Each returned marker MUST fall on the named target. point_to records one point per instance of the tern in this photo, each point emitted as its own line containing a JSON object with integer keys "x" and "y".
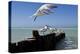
{"x": 45, "y": 9}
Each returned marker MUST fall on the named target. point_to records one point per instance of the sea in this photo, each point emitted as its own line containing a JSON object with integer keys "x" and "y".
{"x": 69, "y": 42}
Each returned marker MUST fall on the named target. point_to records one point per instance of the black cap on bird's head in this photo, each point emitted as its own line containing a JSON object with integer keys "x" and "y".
{"x": 53, "y": 6}
{"x": 48, "y": 25}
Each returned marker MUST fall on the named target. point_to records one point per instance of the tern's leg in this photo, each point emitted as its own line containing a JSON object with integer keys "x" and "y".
{"x": 35, "y": 18}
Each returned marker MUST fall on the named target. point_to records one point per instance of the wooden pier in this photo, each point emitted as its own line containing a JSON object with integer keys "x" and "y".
{"x": 36, "y": 43}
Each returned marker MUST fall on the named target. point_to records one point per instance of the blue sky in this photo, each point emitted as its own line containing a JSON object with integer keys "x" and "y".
{"x": 63, "y": 16}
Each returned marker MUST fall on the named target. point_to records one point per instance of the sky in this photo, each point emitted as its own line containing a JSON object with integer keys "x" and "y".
{"x": 63, "y": 16}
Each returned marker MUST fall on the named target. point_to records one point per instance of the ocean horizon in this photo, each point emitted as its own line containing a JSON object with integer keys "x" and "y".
{"x": 70, "y": 41}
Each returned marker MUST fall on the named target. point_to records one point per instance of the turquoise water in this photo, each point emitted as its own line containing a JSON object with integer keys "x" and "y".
{"x": 70, "y": 42}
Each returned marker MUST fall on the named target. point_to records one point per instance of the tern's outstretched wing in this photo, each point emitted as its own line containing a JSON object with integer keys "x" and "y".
{"x": 44, "y": 10}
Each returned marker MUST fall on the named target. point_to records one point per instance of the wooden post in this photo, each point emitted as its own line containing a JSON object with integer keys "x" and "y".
{"x": 35, "y": 34}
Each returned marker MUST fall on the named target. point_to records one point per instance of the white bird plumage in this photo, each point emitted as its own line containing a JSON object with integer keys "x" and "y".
{"x": 47, "y": 28}
{"x": 44, "y": 29}
{"x": 43, "y": 10}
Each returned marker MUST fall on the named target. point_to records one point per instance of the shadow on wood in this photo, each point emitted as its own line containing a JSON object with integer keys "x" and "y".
{"x": 36, "y": 43}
